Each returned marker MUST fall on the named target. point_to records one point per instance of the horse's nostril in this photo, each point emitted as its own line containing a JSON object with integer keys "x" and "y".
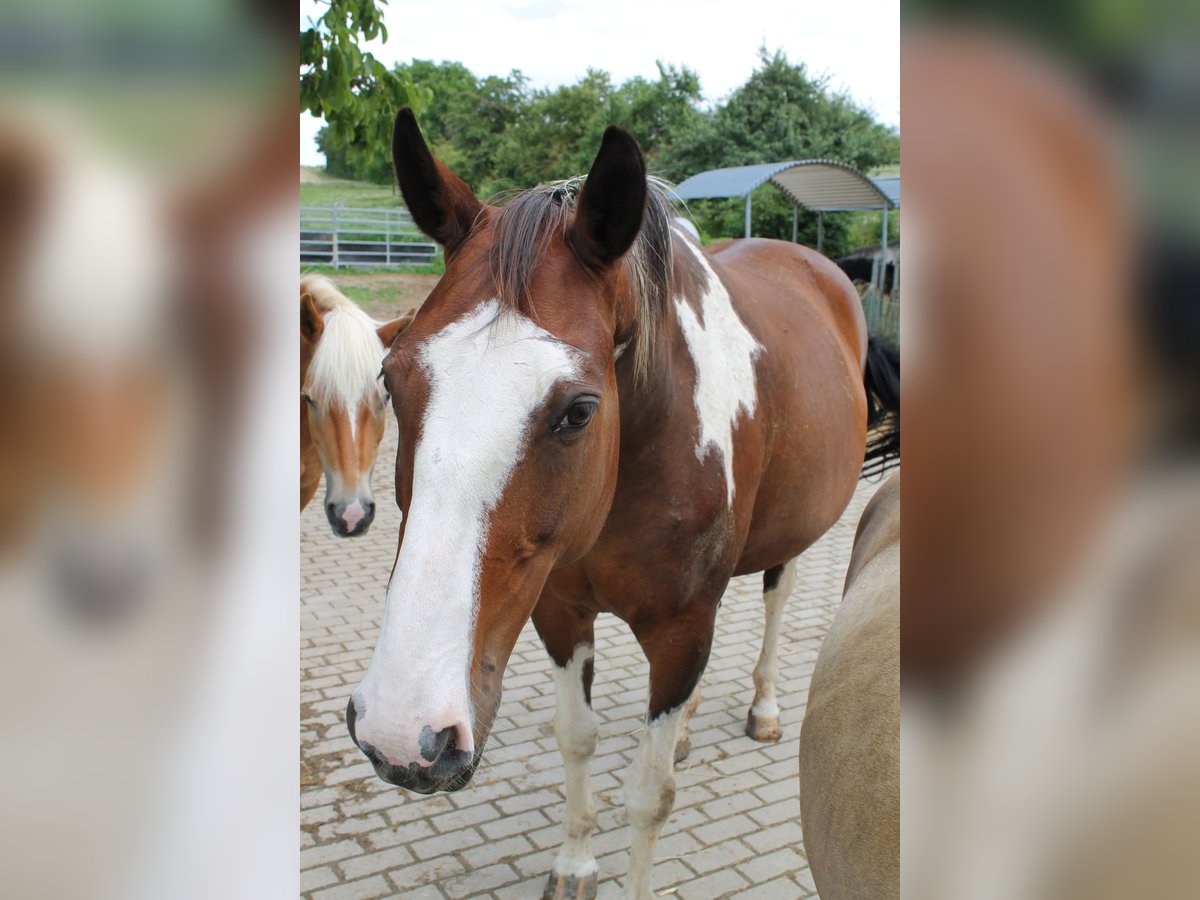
{"x": 101, "y": 587}
{"x": 369, "y": 506}
{"x": 436, "y": 746}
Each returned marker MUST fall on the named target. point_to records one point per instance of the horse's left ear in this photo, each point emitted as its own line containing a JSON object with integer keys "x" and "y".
{"x": 612, "y": 201}
{"x": 387, "y": 333}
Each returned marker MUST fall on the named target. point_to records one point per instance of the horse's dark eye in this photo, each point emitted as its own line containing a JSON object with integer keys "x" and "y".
{"x": 578, "y": 414}
{"x": 308, "y": 399}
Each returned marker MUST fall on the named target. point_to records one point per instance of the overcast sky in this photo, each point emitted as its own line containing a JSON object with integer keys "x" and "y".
{"x": 553, "y": 42}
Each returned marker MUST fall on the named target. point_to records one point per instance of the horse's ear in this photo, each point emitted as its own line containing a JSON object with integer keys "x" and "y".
{"x": 311, "y": 322}
{"x": 612, "y": 201}
{"x": 387, "y": 333}
{"x": 440, "y": 202}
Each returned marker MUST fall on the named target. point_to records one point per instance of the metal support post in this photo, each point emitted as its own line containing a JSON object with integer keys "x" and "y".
{"x": 883, "y": 252}
{"x": 334, "y": 223}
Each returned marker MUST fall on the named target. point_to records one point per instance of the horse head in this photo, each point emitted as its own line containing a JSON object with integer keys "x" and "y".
{"x": 344, "y": 408}
{"x": 506, "y": 394}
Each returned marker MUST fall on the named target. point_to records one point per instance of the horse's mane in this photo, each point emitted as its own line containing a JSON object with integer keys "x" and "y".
{"x": 345, "y": 365}
{"x": 527, "y": 221}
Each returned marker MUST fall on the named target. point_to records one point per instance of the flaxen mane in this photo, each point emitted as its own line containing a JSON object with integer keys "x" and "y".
{"x": 526, "y": 223}
{"x": 345, "y": 365}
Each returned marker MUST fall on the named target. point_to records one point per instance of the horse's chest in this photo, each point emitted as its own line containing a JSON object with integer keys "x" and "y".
{"x": 673, "y": 532}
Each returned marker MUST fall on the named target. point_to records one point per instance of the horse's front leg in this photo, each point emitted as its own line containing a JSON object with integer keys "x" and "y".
{"x": 576, "y": 727}
{"x": 678, "y": 651}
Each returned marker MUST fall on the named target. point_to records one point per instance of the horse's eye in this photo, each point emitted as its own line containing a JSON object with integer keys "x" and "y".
{"x": 578, "y": 414}
{"x": 308, "y": 399}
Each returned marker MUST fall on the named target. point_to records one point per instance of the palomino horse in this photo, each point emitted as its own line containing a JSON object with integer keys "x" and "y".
{"x": 343, "y": 407}
{"x": 850, "y": 741}
{"x": 597, "y": 415}
{"x": 131, "y": 351}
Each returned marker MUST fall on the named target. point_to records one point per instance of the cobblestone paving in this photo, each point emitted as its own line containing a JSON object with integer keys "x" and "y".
{"x": 735, "y": 830}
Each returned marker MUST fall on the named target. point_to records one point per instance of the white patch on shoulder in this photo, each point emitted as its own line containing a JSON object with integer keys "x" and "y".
{"x": 723, "y": 352}
{"x": 488, "y": 373}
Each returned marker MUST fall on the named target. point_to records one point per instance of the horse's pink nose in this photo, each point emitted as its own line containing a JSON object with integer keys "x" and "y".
{"x": 353, "y": 514}
{"x": 350, "y": 519}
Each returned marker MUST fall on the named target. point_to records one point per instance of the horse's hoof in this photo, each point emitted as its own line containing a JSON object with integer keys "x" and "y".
{"x": 762, "y": 729}
{"x": 682, "y": 749}
{"x": 570, "y": 887}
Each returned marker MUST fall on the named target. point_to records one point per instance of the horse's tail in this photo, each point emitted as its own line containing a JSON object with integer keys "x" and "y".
{"x": 882, "y": 381}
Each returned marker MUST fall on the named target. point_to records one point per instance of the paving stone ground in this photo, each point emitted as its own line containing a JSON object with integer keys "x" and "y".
{"x": 735, "y": 830}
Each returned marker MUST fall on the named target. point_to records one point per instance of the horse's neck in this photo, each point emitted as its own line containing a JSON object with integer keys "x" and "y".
{"x": 646, "y": 404}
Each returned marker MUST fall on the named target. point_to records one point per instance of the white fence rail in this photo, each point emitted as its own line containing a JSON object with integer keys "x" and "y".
{"x": 346, "y": 236}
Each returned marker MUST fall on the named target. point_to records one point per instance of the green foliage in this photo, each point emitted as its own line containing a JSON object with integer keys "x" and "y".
{"x": 560, "y": 130}
{"x": 499, "y": 134}
{"x": 771, "y": 216}
{"x": 350, "y": 88}
{"x": 866, "y": 226}
{"x": 780, "y": 113}
{"x": 466, "y": 117}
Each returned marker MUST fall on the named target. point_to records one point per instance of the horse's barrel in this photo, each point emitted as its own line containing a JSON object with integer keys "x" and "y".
{"x": 850, "y": 740}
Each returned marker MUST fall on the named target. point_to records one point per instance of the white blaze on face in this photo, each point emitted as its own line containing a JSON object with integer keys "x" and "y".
{"x": 489, "y": 373}
{"x": 723, "y": 353}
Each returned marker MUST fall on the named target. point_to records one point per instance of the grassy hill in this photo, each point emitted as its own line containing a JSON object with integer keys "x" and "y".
{"x": 318, "y": 189}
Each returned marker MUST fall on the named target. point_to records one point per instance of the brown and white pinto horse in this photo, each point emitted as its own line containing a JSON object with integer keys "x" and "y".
{"x": 596, "y": 415}
{"x": 343, "y": 406}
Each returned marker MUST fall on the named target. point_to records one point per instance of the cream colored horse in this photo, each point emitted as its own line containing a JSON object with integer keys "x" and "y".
{"x": 343, "y": 405}
{"x": 850, "y": 741}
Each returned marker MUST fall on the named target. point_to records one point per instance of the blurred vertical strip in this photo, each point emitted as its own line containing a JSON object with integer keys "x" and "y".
{"x": 148, "y": 539}
{"x": 1051, "y": 584}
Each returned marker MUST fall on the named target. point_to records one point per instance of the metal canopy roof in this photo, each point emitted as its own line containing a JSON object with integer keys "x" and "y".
{"x": 890, "y": 185}
{"x": 817, "y": 184}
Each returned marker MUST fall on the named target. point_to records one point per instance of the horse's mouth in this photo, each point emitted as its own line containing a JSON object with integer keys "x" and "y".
{"x": 445, "y": 776}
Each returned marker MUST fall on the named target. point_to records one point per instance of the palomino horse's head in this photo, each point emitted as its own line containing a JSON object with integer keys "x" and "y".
{"x": 343, "y": 403}
{"x": 93, "y": 379}
{"x": 506, "y": 394}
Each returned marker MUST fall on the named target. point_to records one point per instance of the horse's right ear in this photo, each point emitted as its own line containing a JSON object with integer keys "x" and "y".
{"x": 440, "y": 202}
{"x": 311, "y": 322}
{"x": 387, "y": 333}
{"x": 612, "y": 202}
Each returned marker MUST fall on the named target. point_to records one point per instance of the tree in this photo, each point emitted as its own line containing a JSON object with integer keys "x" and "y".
{"x": 348, "y": 87}
{"x": 498, "y": 134}
{"x": 655, "y": 111}
{"x": 558, "y": 131}
{"x": 780, "y": 113}
{"x": 466, "y": 116}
